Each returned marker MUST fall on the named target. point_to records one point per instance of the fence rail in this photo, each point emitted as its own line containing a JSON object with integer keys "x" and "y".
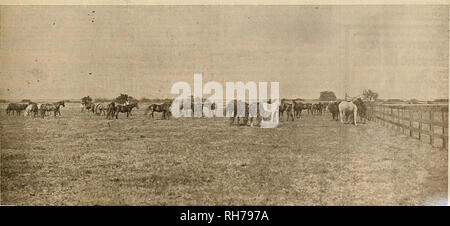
{"x": 419, "y": 121}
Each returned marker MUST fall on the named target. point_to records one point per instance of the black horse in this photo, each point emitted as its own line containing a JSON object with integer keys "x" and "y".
{"x": 164, "y": 108}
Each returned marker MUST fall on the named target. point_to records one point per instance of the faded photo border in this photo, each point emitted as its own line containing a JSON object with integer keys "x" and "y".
{"x": 230, "y": 2}
{"x": 224, "y": 2}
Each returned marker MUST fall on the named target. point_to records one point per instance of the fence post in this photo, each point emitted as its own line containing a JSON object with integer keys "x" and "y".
{"x": 403, "y": 116}
{"x": 420, "y": 124}
{"x": 444, "y": 139}
{"x": 431, "y": 128}
{"x": 390, "y": 118}
{"x": 410, "y": 122}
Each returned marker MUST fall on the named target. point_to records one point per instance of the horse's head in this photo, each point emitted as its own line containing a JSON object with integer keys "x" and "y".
{"x": 359, "y": 102}
{"x": 59, "y": 103}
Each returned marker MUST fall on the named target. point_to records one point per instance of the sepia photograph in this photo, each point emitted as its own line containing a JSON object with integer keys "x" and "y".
{"x": 224, "y": 105}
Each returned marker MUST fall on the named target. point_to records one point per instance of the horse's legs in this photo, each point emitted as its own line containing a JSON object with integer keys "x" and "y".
{"x": 355, "y": 113}
{"x": 341, "y": 114}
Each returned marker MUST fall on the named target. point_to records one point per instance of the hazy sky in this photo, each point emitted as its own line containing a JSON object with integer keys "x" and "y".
{"x": 66, "y": 52}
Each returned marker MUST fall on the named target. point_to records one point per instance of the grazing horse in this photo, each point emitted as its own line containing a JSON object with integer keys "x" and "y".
{"x": 90, "y": 107}
{"x": 164, "y": 108}
{"x": 15, "y": 108}
{"x": 32, "y": 109}
{"x": 255, "y": 111}
{"x": 100, "y": 109}
{"x": 210, "y": 107}
{"x": 192, "y": 108}
{"x": 309, "y": 108}
{"x": 237, "y": 110}
{"x": 317, "y": 108}
{"x": 125, "y": 109}
{"x": 51, "y": 107}
{"x": 346, "y": 109}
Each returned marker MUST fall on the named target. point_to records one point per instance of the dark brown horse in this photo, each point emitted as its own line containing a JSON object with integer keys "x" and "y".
{"x": 237, "y": 109}
{"x": 89, "y": 107}
{"x": 119, "y": 108}
{"x": 51, "y": 107}
{"x": 333, "y": 108}
{"x": 111, "y": 111}
{"x": 298, "y": 108}
{"x": 362, "y": 109}
{"x": 288, "y": 107}
{"x": 210, "y": 106}
{"x": 164, "y": 108}
{"x": 15, "y": 108}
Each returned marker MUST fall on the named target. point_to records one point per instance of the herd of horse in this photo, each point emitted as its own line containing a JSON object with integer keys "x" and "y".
{"x": 34, "y": 109}
{"x": 236, "y": 109}
{"x": 111, "y": 110}
{"x": 339, "y": 109}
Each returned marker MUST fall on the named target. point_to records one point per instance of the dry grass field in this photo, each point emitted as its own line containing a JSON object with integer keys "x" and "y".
{"x": 83, "y": 159}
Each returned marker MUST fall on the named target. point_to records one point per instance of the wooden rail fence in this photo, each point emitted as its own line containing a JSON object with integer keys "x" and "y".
{"x": 423, "y": 122}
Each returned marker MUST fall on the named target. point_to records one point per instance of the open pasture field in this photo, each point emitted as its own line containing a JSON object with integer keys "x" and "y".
{"x": 83, "y": 159}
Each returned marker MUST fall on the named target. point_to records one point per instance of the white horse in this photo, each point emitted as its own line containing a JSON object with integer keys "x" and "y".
{"x": 32, "y": 109}
{"x": 345, "y": 109}
{"x": 100, "y": 109}
{"x": 271, "y": 112}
